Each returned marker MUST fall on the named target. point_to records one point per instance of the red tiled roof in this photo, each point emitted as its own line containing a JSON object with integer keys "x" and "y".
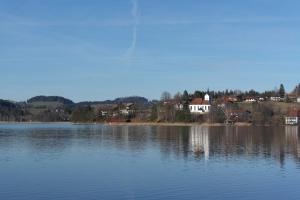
{"x": 199, "y": 101}
{"x": 249, "y": 97}
{"x": 227, "y": 99}
{"x": 294, "y": 113}
{"x": 172, "y": 102}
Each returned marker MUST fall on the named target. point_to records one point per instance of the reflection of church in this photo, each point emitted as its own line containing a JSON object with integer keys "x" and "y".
{"x": 291, "y": 136}
{"x": 199, "y": 140}
{"x": 291, "y": 133}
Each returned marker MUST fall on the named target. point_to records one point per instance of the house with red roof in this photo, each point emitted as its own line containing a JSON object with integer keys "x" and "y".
{"x": 293, "y": 117}
{"x": 200, "y": 106}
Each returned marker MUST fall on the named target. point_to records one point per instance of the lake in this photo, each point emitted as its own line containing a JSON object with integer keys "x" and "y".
{"x": 72, "y": 162}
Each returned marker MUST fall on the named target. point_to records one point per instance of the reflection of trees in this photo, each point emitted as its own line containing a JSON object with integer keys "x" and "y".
{"x": 292, "y": 141}
{"x": 53, "y": 140}
{"x": 267, "y": 142}
{"x": 231, "y": 142}
{"x": 126, "y": 137}
{"x": 183, "y": 142}
{"x": 172, "y": 140}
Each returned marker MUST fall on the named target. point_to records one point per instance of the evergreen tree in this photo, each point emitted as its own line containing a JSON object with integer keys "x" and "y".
{"x": 281, "y": 91}
{"x": 296, "y": 91}
{"x": 199, "y": 94}
{"x": 183, "y": 115}
{"x": 185, "y": 96}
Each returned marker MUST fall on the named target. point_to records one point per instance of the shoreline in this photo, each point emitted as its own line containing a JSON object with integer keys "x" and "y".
{"x": 173, "y": 124}
{"x": 139, "y": 124}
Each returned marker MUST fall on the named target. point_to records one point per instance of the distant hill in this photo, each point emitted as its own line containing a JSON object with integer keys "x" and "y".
{"x": 132, "y": 99}
{"x": 10, "y": 111}
{"x": 59, "y": 99}
{"x": 7, "y": 104}
{"x": 56, "y": 108}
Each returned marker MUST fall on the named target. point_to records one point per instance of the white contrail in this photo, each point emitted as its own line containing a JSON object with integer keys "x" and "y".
{"x": 134, "y": 13}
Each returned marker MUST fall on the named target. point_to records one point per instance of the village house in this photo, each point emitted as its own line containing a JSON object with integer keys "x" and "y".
{"x": 277, "y": 99}
{"x": 239, "y": 116}
{"x": 250, "y": 99}
{"x": 292, "y": 97}
{"x": 177, "y": 104}
{"x": 229, "y": 99}
{"x": 103, "y": 113}
{"x": 200, "y": 106}
{"x": 293, "y": 117}
{"x": 128, "y": 109}
{"x": 106, "y": 110}
{"x": 232, "y": 99}
{"x": 226, "y": 100}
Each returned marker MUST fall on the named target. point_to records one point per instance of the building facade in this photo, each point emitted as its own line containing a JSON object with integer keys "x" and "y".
{"x": 293, "y": 117}
{"x": 200, "y": 106}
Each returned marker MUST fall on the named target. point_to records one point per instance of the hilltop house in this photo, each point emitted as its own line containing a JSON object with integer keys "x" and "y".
{"x": 200, "y": 106}
{"x": 127, "y": 109}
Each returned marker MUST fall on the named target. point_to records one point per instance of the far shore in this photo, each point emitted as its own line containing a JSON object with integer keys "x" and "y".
{"x": 174, "y": 124}
{"x": 140, "y": 124}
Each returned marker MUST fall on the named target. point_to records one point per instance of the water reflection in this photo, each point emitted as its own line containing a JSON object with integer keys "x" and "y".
{"x": 196, "y": 142}
{"x": 199, "y": 141}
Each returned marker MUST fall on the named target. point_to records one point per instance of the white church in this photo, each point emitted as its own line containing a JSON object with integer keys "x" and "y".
{"x": 200, "y": 106}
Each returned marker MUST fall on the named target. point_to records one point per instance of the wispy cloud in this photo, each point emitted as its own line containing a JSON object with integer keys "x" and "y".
{"x": 127, "y": 57}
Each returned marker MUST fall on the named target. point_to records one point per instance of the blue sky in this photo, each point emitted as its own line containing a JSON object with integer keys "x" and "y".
{"x": 102, "y": 49}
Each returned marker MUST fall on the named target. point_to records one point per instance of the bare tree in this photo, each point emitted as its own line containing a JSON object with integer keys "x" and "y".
{"x": 166, "y": 96}
{"x": 178, "y": 96}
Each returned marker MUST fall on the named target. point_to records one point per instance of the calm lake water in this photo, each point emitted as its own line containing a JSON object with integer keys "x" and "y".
{"x": 61, "y": 161}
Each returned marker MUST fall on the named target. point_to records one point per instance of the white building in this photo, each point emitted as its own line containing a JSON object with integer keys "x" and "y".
{"x": 292, "y": 118}
{"x": 200, "y": 106}
{"x": 206, "y": 98}
{"x": 128, "y": 110}
{"x": 276, "y": 99}
{"x": 250, "y": 100}
{"x": 178, "y": 106}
